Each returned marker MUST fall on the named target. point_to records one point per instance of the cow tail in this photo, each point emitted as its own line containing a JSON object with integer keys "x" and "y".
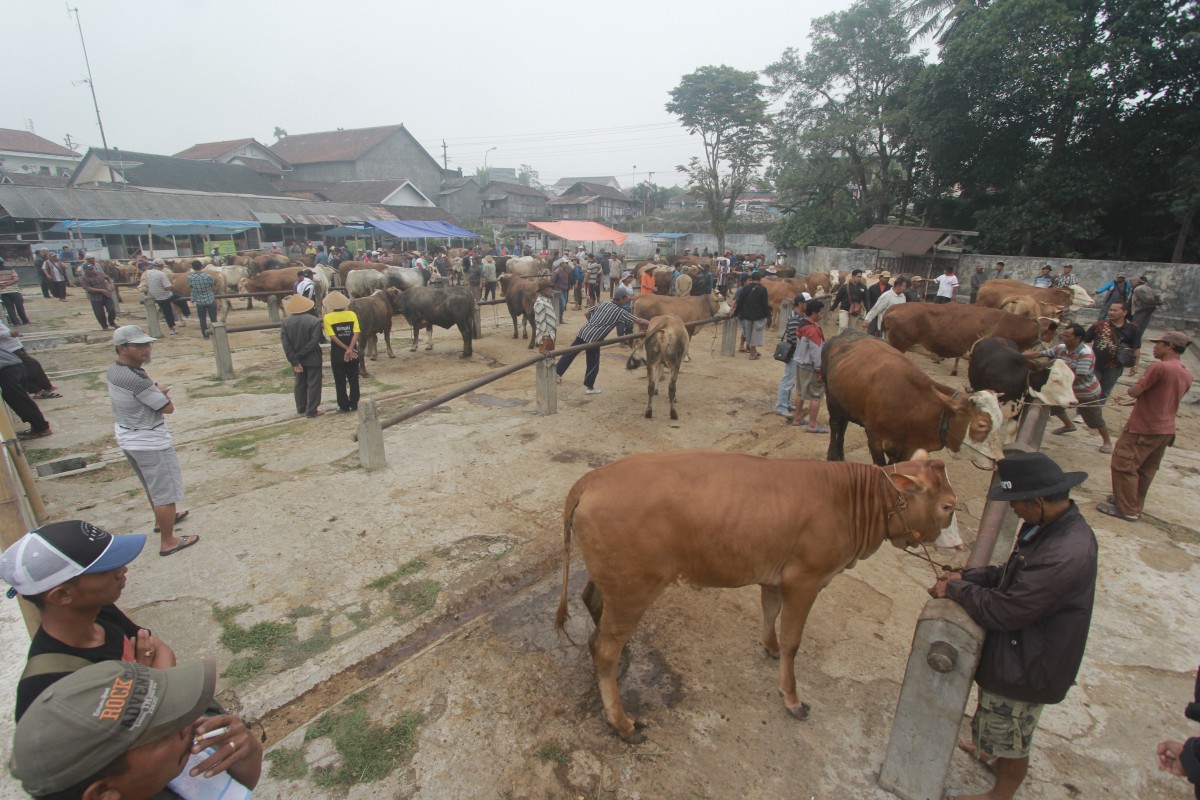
{"x": 634, "y": 362}
{"x": 560, "y": 618}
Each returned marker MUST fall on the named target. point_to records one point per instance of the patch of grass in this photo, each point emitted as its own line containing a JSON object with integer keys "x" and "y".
{"x": 132, "y": 492}
{"x": 226, "y": 613}
{"x": 262, "y": 638}
{"x": 368, "y": 751}
{"x": 359, "y": 617}
{"x": 414, "y": 599}
{"x": 276, "y": 382}
{"x": 245, "y": 445}
{"x": 43, "y": 454}
{"x": 287, "y": 763}
{"x": 94, "y": 382}
{"x": 302, "y": 611}
{"x": 552, "y": 752}
{"x": 243, "y": 669}
{"x": 408, "y": 568}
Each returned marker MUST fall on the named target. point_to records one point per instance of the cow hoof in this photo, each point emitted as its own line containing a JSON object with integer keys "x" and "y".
{"x": 649, "y": 415}
{"x": 430, "y": 347}
{"x": 634, "y": 736}
{"x": 771, "y": 653}
{"x": 674, "y": 415}
{"x": 412, "y": 349}
{"x": 800, "y": 711}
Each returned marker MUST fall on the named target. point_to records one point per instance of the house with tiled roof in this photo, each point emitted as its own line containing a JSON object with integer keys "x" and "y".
{"x": 247, "y": 152}
{"x": 461, "y": 197}
{"x": 512, "y": 203}
{"x": 362, "y": 154}
{"x": 563, "y": 184}
{"x": 396, "y": 192}
{"x": 105, "y": 168}
{"x": 26, "y": 153}
{"x": 594, "y": 201}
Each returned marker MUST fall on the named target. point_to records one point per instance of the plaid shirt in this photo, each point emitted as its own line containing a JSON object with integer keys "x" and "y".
{"x": 202, "y": 289}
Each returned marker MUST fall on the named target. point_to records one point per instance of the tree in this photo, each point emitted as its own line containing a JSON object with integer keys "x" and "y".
{"x": 528, "y": 176}
{"x": 279, "y": 132}
{"x": 726, "y": 109}
{"x": 483, "y": 176}
{"x": 843, "y": 134}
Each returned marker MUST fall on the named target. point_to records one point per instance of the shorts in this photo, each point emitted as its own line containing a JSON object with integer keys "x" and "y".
{"x": 1092, "y": 414}
{"x": 754, "y": 330}
{"x": 160, "y": 474}
{"x": 809, "y": 385}
{"x": 1003, "y": 728}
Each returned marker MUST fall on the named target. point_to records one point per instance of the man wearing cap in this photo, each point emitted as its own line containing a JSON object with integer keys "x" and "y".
{"x": 874, "y": 318}
{"x": 1066, "y": 279}
{"x": 201, "y": 284}
{"x": 877, "y": 290}
{"x": 123, "y": 730}
{"x": 752, "y": 308}
{"x": 1036, "y": 610}
{"x": 1044, "y": 279}
{"x": 138, "y": 405}
{"x": 100, "y": 291}
{"x": 342, "y": 329}
{"x": 1144, "y": 300}
{"x": 159, "y": 287}
{"x": 301, "y": 336}
{"x": 1150, "y": 428}
{"x": 10, "y": 295}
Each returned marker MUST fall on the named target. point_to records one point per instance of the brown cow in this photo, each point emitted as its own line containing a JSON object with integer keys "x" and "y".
{"x": 636, "y": 543}
{"x": 519, "y": 294}
{"x": 1025, "y": 306}
{"x": 375, "y": 317}
{"x": 272, "y": 280}
{"x": 689, "y": 309}
{"x": 780, "y": 290}
{"x": 346, "y": 267}
{"x": 180, "y": 286}
{"x": 995, "y": 292}
{"x": 870, "y": 383}
{"x": 666, "y": 346}
{"x": 950, "y": 330}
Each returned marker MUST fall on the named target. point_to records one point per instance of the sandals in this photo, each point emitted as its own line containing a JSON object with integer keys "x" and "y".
{"x": 184, "y": 543}
{"x": 47, "y": 395}
{"x": 818, "y": 429}
{"x": 1113, "y": 511}
{"x": 1064, "y": 429}
{"x": 756, "y": 357}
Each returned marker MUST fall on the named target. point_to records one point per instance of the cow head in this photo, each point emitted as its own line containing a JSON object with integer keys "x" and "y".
{"x": 1080, "y": 298}
{"x": 1047, "y": 329}
{"x": 717, "y": 301}
{"x": 1052, "y": 385}
{"x": 929, "y": 500}
{"x": 393, "y": 297}
{"x": 974, "y": 425}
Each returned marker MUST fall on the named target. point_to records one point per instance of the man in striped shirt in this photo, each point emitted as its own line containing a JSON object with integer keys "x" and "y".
{"x": 1082, "y": 361}
{"x": 602, "y": 319}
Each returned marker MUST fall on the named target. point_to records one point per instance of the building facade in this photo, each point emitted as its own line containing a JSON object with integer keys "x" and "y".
{"x": 25, "y": 153}
{"x": 512, "y": 203}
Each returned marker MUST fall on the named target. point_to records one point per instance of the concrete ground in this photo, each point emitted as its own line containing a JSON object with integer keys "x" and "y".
{"x": 393, "y": 631}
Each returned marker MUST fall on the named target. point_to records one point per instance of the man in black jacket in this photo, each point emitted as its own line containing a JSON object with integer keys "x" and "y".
{"x": 1036, "y": 610}
{"x": 301, "y": 337}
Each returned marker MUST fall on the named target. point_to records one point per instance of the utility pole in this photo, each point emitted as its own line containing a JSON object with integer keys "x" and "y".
{"x": 67, "y": 141}
{"x": 91, "y": 83}
{"x": 444, "y": 167}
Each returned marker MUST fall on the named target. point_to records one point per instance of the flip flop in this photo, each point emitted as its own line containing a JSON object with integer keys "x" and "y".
{"x": 47, "y": 395}
{"x": 756, "y": 357}
{"x": 1062, "y": 430}
{"x": 818, "y": 429}
{"x": 187, "y": 542}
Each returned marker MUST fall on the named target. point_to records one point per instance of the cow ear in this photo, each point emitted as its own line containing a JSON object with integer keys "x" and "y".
{"x": 948, "y": 402}
{"x": 905, "y": 483}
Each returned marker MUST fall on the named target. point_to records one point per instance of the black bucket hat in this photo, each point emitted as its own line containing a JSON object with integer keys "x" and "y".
{"x": 1026, "y": 476}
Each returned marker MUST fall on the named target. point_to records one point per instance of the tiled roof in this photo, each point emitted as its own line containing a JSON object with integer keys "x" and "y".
{"x": 313, "y": 148}
{"x": 165, "y": 172}
{"x": 210, "y": 151}
{"x": 583, "y": 192}
{"x": 567, "y": 183}
{"x": 33, "y": 179}
{"x": 497, "y": 189}
{"x": 26, "y": 142}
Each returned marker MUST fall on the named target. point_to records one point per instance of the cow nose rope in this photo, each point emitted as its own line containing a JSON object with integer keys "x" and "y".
{"x": 901, "y": 507}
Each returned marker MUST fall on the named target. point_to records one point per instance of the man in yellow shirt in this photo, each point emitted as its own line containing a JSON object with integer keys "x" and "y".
{"x": 342, "y": 330}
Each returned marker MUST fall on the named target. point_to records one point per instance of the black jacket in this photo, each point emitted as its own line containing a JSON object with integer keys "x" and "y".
{"x": 1036, "y": 608}
{"x": 847, "y": 294}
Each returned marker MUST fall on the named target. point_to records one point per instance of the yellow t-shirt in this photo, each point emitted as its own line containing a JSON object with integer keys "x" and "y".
{"x": 341, "y": 325}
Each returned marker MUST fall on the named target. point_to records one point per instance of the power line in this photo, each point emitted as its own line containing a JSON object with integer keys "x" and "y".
{"x": 549, "y": 135}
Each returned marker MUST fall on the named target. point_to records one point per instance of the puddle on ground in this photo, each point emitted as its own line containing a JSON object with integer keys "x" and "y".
{"x": 495, "y": 402}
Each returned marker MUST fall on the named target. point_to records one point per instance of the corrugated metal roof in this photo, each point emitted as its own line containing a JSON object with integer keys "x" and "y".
{"x": 35, "y": 202}
{"x": 901, "y": 239}
{"x": 166, "y": 172}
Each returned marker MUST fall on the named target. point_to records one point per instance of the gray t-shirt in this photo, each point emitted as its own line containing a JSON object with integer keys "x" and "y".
{"x": 137, "y": 406}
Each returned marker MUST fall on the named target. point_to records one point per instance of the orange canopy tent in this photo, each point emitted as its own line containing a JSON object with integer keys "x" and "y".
{"x": 580, "y": 231}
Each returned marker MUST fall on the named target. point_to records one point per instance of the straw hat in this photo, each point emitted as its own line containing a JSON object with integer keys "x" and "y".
{"x": 336, "y": 301}
{"x": 297, "y": 304}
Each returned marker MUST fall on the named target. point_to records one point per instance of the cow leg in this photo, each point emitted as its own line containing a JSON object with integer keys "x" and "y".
{"x": 798, "y": 598}
{"x": 878, "y": 454}
{"x": 429, "y": 336}
{"x": 671, "y": 391}
{"x": 387, "y": 340}
{"x": 373, "y": 346}
{"x": 594, "y": 601}
{"x": 416, "y": 339}
{"x": 227, "y": 306}
{"x": 467, "y": 329}
{"x": 650, "y": 389}
{"x": 616, "y": 626}
{"x": 837, "y": 434}
{"x": 954, "y": 369}
{"x": 514, "y": 319}
{"x": 772, "y": 600}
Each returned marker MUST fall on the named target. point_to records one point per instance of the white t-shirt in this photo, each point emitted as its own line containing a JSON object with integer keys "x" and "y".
{"x": 947, "y": 285}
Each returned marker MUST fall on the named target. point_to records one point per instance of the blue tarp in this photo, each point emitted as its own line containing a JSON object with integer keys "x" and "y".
{"x": 347, "y": 232}
{"x": 421, "y": 229}
{"x": 668, "y": 235}
{"x": 162, "y": 227}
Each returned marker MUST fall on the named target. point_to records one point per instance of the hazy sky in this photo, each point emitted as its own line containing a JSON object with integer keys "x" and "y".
{"x": 571, "y": 88}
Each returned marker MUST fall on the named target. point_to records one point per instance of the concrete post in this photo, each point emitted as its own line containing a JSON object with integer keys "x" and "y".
{"x": 785, "y": 311}
{"x": 547, "y": 387}
{"x": 729, "y": 337}
{"x": 222, "y": 352}
{"x": 273, "y": 309}
{"x": 478, "y": 324}
{"x": 370, "y": 437}
{"x": 152, "y": 326}
{"x": 937, "y": 684}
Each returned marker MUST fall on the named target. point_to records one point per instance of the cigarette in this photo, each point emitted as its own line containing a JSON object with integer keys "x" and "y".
{"x": 212, "y": 734}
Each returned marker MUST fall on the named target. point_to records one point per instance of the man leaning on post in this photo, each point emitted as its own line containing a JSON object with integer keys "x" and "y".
{"x": 1036, "y": 609}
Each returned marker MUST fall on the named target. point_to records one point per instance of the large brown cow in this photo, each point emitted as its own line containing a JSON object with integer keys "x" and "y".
{"x": 997, "y": 291}
{"x": 666, "y": 346}
{"x": 870, "y": 383}
{"x": 689, "y": 309}
{"x": 519, "y": 295}
{"x": 375, "y": 317}
{"x": 272, "y": 280}
{"x": 636, "y": 543}
{"x": 180, "y": 286}
{"x": 950, "y": 330}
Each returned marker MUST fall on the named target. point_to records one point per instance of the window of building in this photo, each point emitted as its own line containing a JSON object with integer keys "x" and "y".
{"x": 43, "y": 170}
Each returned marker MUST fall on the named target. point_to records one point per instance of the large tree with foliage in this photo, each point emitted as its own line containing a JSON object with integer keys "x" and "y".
{"x": 725, "y": 108}
{"x": 843, "y": 146}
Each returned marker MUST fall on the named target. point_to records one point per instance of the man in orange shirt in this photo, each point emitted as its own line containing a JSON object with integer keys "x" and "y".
{"x": 648, "y": 280}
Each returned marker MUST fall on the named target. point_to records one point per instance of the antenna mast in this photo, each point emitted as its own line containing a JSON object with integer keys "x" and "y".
{"x": 91, "y": 83}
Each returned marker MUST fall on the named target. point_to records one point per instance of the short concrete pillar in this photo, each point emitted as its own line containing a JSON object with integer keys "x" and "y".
{"x": 370, "y": 437}
{"x": 478, "y": 324}
{"x": 729, "y": 337}
{"x": 785, "y": 311}
{"x": 937, "y": 684}
{"x": 273, "y": 313}
{"x": 152, "y": 326}
{"x": 547, "y": 387}
{"x": 222, "y": 352}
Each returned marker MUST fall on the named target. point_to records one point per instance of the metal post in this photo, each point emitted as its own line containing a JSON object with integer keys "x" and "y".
{"x": 221, "y": 351}
{"x": 729, "y": 337}
{"x": 785, "y": 311}
{"x": 370, "y": 437}
{"x": 273, "y": 309}
{"x": 547, "y": 387}
{"x": 152, "y": 326}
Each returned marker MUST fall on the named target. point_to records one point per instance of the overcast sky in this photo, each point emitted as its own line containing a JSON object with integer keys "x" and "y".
{"x": 571, "y": 89}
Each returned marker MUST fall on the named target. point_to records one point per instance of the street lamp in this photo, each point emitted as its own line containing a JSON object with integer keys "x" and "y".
{"x": 485, "y": 155}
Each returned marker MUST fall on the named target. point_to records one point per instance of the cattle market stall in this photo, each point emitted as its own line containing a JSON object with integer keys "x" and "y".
{"x": 914, "y": 251}
{"x": 673, "y": 240}
{"x": 163, "y": 228}
{"x": 422, "y": 230}
{"x": 589, "y": 232}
